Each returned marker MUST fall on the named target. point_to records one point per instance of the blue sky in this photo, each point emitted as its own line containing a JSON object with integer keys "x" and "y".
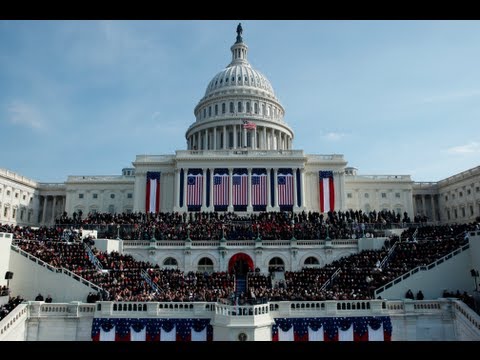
{"x": 85, "y": 97}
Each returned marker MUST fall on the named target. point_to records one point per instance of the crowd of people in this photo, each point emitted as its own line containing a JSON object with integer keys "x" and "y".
{"x": 232, "y": 226}
{"x": 356, "y": 276}
{"x": 8, "y": 307}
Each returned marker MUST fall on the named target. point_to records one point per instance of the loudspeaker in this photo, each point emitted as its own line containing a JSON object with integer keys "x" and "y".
{"x": 8, "y": 275}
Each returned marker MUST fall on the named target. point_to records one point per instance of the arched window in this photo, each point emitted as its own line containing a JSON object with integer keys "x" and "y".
{"x": 223, "y": 108}
{"x": 239, "y": 107}
{"x": 248, "y": 107}
{"x": 204, "y": 113}
{"x": 205, "y": 265}
{"x": 170, "y": 263}
{"x": 216, "y": 109}
{"x": 255, "y": 108}
{"x": 232, "y": 110}
{"x": 276, "y": 264}
{"x": 209, "y": 111}
{"x": 263, "y": 109}
{"x": 311, "y": 262}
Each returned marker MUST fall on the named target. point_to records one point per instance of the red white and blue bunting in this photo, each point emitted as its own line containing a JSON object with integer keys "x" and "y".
{"x": 368, "y": 328}
{"x": 128, "y": 329}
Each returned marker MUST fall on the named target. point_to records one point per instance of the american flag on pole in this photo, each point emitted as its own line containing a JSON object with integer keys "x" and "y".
{"x": 326, "y": 191}
{"x": 220, "y": 189}
{"x": 249, "y": 125}
{"x": 259, "y": 189}
{"x": 285, "y": 189}
{"x": 239, "y": 189}
{"x": 152, "y": 201}
{"x": 194, "y": 189}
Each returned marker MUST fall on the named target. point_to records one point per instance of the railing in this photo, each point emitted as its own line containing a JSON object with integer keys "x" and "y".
{"x": 421, "y": 268}
{"x": 19, "y": 313}
{"x": 150, "y": 282}
{"x": 467, "y": 313}
{"x": 241, "y": 152}
{"x": 329, "y": 281}
{"x": 387, "y": 257}
{"x": 92, "y": 257}
{"x": 242, "y": 310}
{"x": 58, "y": 270}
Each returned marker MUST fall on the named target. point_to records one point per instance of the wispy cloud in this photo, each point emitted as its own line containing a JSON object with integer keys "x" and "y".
{"x": 334, "y": 136}
{"x": 452, "y": 96}
{"x": 23, "y": 114}
{"x": 472, "y": 147}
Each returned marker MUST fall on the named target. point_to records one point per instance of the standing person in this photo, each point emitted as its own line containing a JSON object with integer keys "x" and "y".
{"x": 48, "y": 299}
{"x": 420, "y": 295}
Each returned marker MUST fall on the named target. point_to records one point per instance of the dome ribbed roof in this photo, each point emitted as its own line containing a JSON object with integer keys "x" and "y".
{"x": 241, "y": 75}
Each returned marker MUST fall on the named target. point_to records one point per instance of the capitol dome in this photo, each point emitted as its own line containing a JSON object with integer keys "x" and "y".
{"x": 239, "y": 109}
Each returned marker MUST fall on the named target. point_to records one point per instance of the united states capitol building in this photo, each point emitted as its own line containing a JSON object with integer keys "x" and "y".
{"x": 218, "y": 142}
{"x": 240, "y": 158}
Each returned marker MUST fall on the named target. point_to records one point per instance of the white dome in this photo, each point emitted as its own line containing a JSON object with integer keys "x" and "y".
{"x": 239, "y": 75}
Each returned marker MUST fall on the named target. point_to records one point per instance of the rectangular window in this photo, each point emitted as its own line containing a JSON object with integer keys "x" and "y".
{"x": 95, "y": 196}
{"x": 24, "y": 197}
{"x": 455, "y": 213}
{"x": 471, "y": 210}
{"x": 469, "y": 191}
{"x": 453, "y": 196}
{"x": 461, "y": 194}
{"x": 5, "y": 212}
{"x": 463, "y": 212}
{"x": 349, "y": 195}
{"x": 14, "y": 213}
{"x": 16, "y": 195}
{"x": 446, "y": 197}
{"x": 384, "y": 195}
{"x": 29, "y": 216}
{"x": 80, "y": 196}
{"x": 129, "y": 195}
{"x": 8, "y": 192}
{"x": 477, "y": 189}
{"x": 21, "y": 214}
{"x": 397, "y": 195}
{"x": 448, "y": 214}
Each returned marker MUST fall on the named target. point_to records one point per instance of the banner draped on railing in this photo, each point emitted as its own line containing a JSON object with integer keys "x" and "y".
{"x": 361, "y": 328}
{"x": 145, "y": 329}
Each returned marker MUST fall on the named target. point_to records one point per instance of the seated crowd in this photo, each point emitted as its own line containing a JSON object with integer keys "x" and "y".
{"x": 355, "y": 276}
{"x": 8, "y": 307}
{"x": 231, "y": 226}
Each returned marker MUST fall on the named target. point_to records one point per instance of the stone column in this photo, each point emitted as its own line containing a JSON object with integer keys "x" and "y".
{"x": 199, "y": 144}
{"x": 432, "y": 201}
{"x": 269, "y": 199}
{"x": 422, "y": 197}
{"x": 275, "y": 198}
{"x": 230, "y": 190}
{"x": 264, "y": 145}
{"x": 53, "y": 209}
{"x": 215, "y": 138}
{"x": 234, "y": 136}
{"x": 244, "y": 138}
{"x": 211, "y": 190}
{"x": 249, "y": 191}
{"x": 302, "y": 187}
{"x": 204, "y": 191}
{"x": 44, "y": 218}
{"x": 185, "y": 174}
{"x": 176, "y": 190}
{"x": 224, "y": 137}
{"x": 295, "y": 200}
